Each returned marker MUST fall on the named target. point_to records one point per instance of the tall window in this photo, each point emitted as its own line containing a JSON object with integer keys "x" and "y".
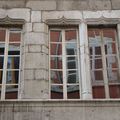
{"x": 104, "y": 60}
{"x": 10, "y": 40}
{"x": 64, "y": 76}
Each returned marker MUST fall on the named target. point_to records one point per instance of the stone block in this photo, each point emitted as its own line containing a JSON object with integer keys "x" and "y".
{"x": 12, "y": 4}
{"x": 3, "y": 13}
{"x": 36, "y": 16}
{"x": 27, "y": 27}
{"x": 40, "y": 27}
{"x": 59, "y": 14}
{"x": 45, "y": 49}
{"x": 34, "y": 48}
{"x": 100, "y": 4}
{"x": 42, "y": 5}
{"x": 36, "y": 60}
{"x": 36, "y": 89}
{"x": 29, "y": 74}
{"x": 19, "y": 13}
{"x": 115, "y": 4}
{"x": 41, "y": 74}
{"x": 73, "y": 5}
{"x": 35, "y": 38}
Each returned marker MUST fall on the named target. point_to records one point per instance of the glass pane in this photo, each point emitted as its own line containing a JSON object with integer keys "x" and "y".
{"x": 97, "y": 75}
{"x": 0, "y": 91}
{"x": 11, "y": 92}
{"x": 109, "y": 34}
{"x": 113, "y": 75}
{"x": 70, "y": 35}
{"x": 110, "y": 48}
{"x": 56, "y": 63}
{"x": 13, "y": 63}
{"x": 1, "y": 62}
{"x": 98, "y": 50}
{"x": 57, "y": 77}
{"x": 71, "y": 62}
{"x": 112, "y": 62}
{"x": 71, "y": 48}
{"x": 72, "y": 77}
{"x": 14, "y": 49}
{"x": 12, "y": 77}
{"x": 73, "y": 92}
{"x": 1, "y": 75}
{"x": 2, "y": 48}
{"x": 56, "y": 92}
{"x": 55, "y": 36}
{"x": 98, "y": 63}
{"x": 2, "y": 35}
{"x": 15, "y": 37}
{"x": 98, "y": 91}
{"x": 56, "y": 49}
{"x": 114, "y": 91}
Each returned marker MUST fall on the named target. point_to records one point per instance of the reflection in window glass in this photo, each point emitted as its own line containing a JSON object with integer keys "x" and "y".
{"x": 2, "y": 35}
{"x": 57, "y": 77}
{"x": 13, "y": 63}
{"x": 12, "y": 77}
{"x": 11, "y": 92}
{"x": 73, "y": 92}
{"x": 57, "y": 92}
{"x": 1, "y": 74}
{"x": 15, "y": 37}
{"x": 70, "y": 35}
{"x": 56, "y": 49}
{"x": 55, "y": 36}
{"x": 72, "y": 76}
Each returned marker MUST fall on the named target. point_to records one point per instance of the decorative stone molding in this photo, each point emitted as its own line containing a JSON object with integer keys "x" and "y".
{"x": 103, "y": 20}
{"x": 63, "y": 21}
{"x": 9, "y": 21}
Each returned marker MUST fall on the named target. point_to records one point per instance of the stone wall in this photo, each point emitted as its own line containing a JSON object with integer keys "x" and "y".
{"x": 60, "y": 110}
{"x": 62, "y": 4}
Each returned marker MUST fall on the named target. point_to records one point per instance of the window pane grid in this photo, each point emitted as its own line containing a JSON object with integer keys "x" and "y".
{"x": 10, "y": 74}
{"x": 67, "y": 46}
{"x": 106, "y": 39}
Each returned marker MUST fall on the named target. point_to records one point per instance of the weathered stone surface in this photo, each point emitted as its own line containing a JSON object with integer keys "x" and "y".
{"x": 34, "y": 48}
{"x": 37, "y": 89}
{"x": 36, "y": 16}
{"x": 40, "y": 27}
{"x": 115, "y": 4}
{"x": 12, "y": 4}
{"x": 99, "y": 5}
{"x": 35, "y": 38}
{"x": 29, "y": 74}
{"x": 27, "y": 27}
{"x": 36, "y": 60}
{"x": 42, "y": 5}
{"x": 41, "y": 74}
{"x": 16, "y": 13}
{"x": 19, "y": 13}
{"x": 59, "y": 14}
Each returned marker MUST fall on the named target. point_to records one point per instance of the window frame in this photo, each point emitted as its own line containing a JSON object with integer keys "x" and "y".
{"x": 105, "y": 83}
{"x": 5, "y": 69}
{"x": 77, "y": 55}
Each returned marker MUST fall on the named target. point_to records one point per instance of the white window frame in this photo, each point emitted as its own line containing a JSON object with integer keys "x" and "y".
{"x": 4, "y": 76}
{"x": 64, "y": 62}
{"x": 105, "y": 81}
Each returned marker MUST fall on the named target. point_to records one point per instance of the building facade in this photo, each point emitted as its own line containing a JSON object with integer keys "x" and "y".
{"x": 59, "y": 59}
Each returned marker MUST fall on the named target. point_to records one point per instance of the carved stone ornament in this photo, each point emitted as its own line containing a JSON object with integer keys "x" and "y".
{"x": 9, "y": 21}
{"x": 103, "y": 20}
{"x": 63, "y": 21}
